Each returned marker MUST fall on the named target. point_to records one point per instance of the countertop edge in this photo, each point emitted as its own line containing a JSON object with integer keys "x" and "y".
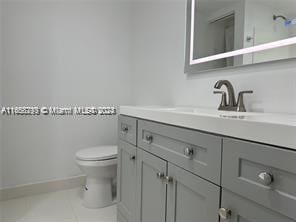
{"x": 262, "y": 132}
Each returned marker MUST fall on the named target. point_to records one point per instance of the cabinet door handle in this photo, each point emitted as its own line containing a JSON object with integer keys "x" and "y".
{"x": 160, "y": 175}
{"x": 132, "y": 157}
{"x": 169, "y": 179}
{"x": 266, "y": 178}
{"x": 149, "y": 139}
{"x": 189, "y": 151}
{"x": 224, "y": 213}
{"x": 124, "y": 129}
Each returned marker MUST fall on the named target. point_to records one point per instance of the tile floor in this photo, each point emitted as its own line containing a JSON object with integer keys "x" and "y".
{"x": 61, "y": 206}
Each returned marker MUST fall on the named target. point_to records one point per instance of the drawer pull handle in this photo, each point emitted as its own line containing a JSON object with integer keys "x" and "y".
{"x": 189, "y": 152}
{"x": 133, "y": 157}
{"x": 169, "y": 179}
{"x": 149, "y": 139}
{"x": 224, "y": 213}
{"x": 125, "y": 129}
{"x": 160, "y": 175}
{"x": 266, "y": 178}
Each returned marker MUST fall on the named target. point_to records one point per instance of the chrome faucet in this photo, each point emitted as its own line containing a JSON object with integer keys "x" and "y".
{"x": 230, "y": 104}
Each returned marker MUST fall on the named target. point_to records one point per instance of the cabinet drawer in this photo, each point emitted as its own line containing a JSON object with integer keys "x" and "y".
{"x": 127, "y": 129}
{"x": 264, "y": 174}
{"x": 244, "y": 210}
{"x": 194, "y": 151}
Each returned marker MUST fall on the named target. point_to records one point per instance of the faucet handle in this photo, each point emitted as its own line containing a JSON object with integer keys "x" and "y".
{"x": 245, "y": 92}
{"x": 240, "y": 101}
{"x": 223, "y": 99}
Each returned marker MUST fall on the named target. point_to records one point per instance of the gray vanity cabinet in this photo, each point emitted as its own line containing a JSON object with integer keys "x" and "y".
{"x": 190, "y": 198}
{"x": 171, "y": 174}
{"x": 264, "y": 174}
{"x": 240, "y": 209}
{"x": 126, "y": 179}
{"x": 151, "y": 205}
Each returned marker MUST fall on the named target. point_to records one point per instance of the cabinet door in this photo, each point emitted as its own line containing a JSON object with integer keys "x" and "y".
{"x": 151, "y": 205}
{"x": 191, "y": 198}
{"x": 126, "y": 190}
{"x": 241, "y": 209}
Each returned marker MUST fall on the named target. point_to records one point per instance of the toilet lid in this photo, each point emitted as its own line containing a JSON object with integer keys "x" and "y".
{"x": 97, "y": 153}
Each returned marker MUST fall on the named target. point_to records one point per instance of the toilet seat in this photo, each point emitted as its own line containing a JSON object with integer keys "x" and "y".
{"x": 99, "y": 153}
{"x": 97, "y": 163}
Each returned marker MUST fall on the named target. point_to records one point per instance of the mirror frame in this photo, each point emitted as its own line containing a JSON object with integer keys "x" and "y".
{"x": 190, "y": 62}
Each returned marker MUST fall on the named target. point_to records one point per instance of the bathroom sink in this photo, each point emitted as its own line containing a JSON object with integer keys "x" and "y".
{"x": 231, "y": 115}
{"x": 211, "y": 112}
{"x": 207, "y": 112}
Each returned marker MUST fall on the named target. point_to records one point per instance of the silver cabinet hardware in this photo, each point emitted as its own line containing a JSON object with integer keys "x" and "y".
{"x": 266, "y": 178}
{"x": 189, "y": 151}
{"x": 149, "y": 139}
{"x": 124, "y": 129}
{"x": 133, "y": 157}
{"x": 160, "y": 175}
{"x": 224, "y": 213}
{"x": 169, "y": 179}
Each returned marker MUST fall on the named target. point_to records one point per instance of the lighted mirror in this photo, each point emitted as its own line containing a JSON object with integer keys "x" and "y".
{"x": 228, "y": 33}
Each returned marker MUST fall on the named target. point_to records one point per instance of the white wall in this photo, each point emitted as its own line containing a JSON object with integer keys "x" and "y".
{"x": 75, "y": 53}
{"x": 158, "y": 60}
{"x": 84, "y": 54}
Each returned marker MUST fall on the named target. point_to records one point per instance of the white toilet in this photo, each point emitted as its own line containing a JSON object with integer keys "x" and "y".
{"x": 99, "y": 165}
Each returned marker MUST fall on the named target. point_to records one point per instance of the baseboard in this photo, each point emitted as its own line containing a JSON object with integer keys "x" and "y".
{"x": 41, "y": 187}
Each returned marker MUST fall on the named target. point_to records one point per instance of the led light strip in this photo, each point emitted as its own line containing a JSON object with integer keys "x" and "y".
{"x": 258, "y": 48}
{"x": 192, "y": 31}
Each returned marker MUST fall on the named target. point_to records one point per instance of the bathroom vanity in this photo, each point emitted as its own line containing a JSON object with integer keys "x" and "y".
{"x": 189, "y": 164}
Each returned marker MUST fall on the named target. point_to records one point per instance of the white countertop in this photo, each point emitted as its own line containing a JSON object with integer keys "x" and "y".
{"x": 269, "y": 128}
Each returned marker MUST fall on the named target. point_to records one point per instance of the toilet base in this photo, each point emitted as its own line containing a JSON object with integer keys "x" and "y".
{"x": 98, "y": 193}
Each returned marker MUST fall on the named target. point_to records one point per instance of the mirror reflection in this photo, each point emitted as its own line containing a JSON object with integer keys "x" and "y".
{"x": 225, "y": 25}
